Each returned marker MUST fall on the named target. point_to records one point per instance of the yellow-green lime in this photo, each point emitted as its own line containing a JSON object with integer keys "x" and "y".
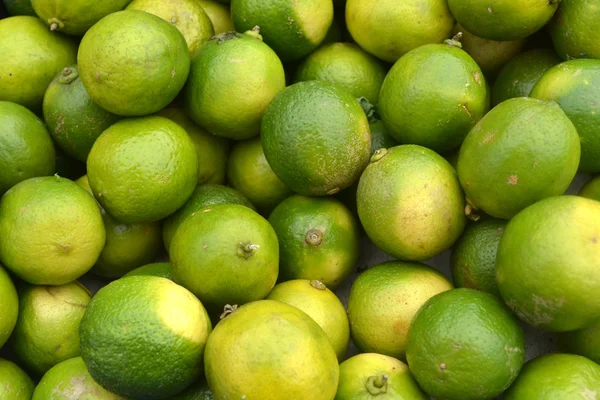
{"x": 143, "y": 337}
{"x": 70, "y": 380}
{"x": 383, "y": 301}
{"x": 233, "y": 79}
{"x": 316, "y": 138}
{"x": 213, "y": 151}
{"x": 160, "y": 269}
{"x": 573, "y": 30}
{"x": 249, "y": 173}
{"x": 198, "y": 391}
{"x": 548, "y": 263}
{"x": 270, "y": 350}
{"x": 19, "y": 7}
{"x": 556, "y": 377}
{"x": 575, "y": 86}
{"x": 27, "y": 41}
{"x": 319, "y": 238}
{"x": 522, "y": 151}
{"x": 322, "y": 305}
{"x": 143, "y": 169}
{"x": 585, "y": 342}
{"x": 292, "y": 28}
{"x": 133, "y": 63}
{"x": 464, "y": 344}
{"x": 219, "y": 15}
{"x": 410, "y": 202}
{"x": 376, "y": 376}
{"x": 225, "y": 254}
{"x": 187, "y": 15}
{"x": 9, "y": 304}
{"x": 346, "y": 65}
{"x": 591, "y": 189}
{"x": 14, "y": 382}
{"x": 202, "y": 197}
{"x": 26, "y": 148}
{"x": 51, "y": 229}
{"x": 47, "y": 331}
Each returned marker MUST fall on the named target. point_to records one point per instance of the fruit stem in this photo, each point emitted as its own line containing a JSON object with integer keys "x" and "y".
{"x": 313, "y": 237}
{"x": 55, "y": 24}
{"x": 318, "y": 285}
{"x": 455, "y": 41}
{"x": 378, "y": 154}
{"x": 228, "y": 310}
{"x": 369, "y": 109}
{"x": 247, "y": 250}
{"x": 68, "y": 75}
{"x": 471, "y": 211}
{"x": 255, "y": 33}
{"x": 377, "y": 384}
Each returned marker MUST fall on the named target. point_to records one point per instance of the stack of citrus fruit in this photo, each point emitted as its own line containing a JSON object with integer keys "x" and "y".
{"x": 299, "y": 200}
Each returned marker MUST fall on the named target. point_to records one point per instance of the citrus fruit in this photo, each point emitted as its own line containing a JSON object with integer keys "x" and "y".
{"x": 51, "y": 230}
{"x": 187, "y": 15}
{"x": 319, "y": 238}
{"x": 47, "y": 331}
{"x": 9, "y": 303}
{"x": 345, "y": 65}
{"x": 322, "y": 305}
{"x": 383, "y": 301}
{"x": 420, "y": 105}
{"x": 473, "y": 260}
{"x": 270, "y": 350}
{"x": 26, "y": 149}
{"x": 521, "y": 73}
{"x": 26, "y": 41}
{"x": 202, "y": 197}
{"x": 233, "y": 78}
{"x": 501, "y": 19}
{"x": 316, "y": 138}
{"x": 219, "y": 15}
{"x": 591, "y": 189}
{"x": 583, "y": 342}
{"x": 71, "y": 380}
{"x": 390, "y": 28}
{"x": 198, "y": 391}
{"x": 556, "y": 377}
{"x": 522, "y": 151}
{"x": 575, "y": 86}
{"x": 137, "y": 326}
{"x": 19, "y": 7}
{"x": 225, "y": 254}
{"x": 133, "y": 63}
{"x": 249, "y": 172}
{"x": 212, "y": 150}
{"x": 143, "y": 169}
{"x": 293, "y": 29}
{"x": 574, "y": 28}
{"x": 75, "y": 18}
{"x": 548, "y": 263}
{"x": 464, "y": 344}
{"x": 376, "y": 376}
{"x": 14, "y": 382}
{"x": 410, "y": 202}
{"x": 160, "y": 269}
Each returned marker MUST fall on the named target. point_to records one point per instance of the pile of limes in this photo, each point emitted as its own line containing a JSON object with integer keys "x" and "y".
{"x": 235, "y": 199}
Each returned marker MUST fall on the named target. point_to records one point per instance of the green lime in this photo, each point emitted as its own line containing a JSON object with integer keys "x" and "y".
{"x": 219, "y": 15}
{"x": 316, "y": 138}
{"x": 376, "y": 376}
{"x": 391, "y": 28}
{"x": 584, "y": 342}
{"x": 26, "y": 149}
{"x": 574, "y": 28}
{"x": 319, "y": 238}
{"x": 383, "y": 301}
{"x": 233, "y": 79}
{"x": 212, "y": 150}
{"x": 52, "y": 231}
{"x": 270, "y": 350}
{"x": 14, "y": 382}
{"x": 249, "y": 172}
{"x": 322, "y": 305}
{"x": 27, "y": 41}
{"x": 345, "y": 65}
{"x": 202, "y": 197}
{"x": 548, "y": 261}
{"x": 9, "y": 304}
{"x": 522, "y": 151}
{"x": 143, "y": 337}
{"x": 519, "y": 75}
{"x": 464, "y": 344}
{"x": 575, "y": 86}
{"x": 591, "y": 189}
{"x": 225, "y": 254}
{"x": 161, "y": 269}
{"x": 198, "y": 391}
{"x": 556, "y": 377}
{"x": 410, "y": 202}
{"x": 133, "y": 63}
{"x": 473, "y": 260}
{"x": 143, "y": 169}
{"x": 71, "y": 380}
{"x": 292, "y": 28}
{"x": 47, "y": 331}
{"x": 19, "y": 7}
{"x": 187, "y": 15}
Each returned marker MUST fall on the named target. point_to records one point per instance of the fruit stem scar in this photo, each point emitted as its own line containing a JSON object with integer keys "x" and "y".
{"x": 55, "y": 24}
{"x": 314, "y": 237}
{"x": 470, "y": 211}
{"x": 378, "y": 154}
{"x": 443, "y": 366}
{"x": 228, "y": 310}
{"x": 318, "y": 285}
{"x": 247, "y": 250}
{"x": 377, "y": 384}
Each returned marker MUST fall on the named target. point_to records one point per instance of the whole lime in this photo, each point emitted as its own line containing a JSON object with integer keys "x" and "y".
{"x": 573, "y": 30}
